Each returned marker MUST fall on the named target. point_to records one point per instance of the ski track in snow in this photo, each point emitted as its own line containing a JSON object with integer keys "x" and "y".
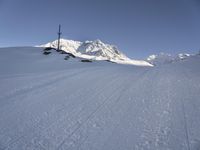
{"x": 83, "y": 106}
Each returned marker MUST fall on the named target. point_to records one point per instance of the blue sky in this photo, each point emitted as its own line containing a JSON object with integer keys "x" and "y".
{"x": 138, "y": 27}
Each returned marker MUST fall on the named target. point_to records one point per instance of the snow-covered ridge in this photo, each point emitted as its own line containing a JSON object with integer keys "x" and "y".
{"x": 69, "y": 46}
{"x": 95, "y": 50}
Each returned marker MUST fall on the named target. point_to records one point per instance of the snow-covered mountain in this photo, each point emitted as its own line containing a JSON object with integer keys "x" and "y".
{"x": 95, "y": 50}
{"x": 98, "y": 48}
{"x": 163, "y": 58}
{"x": 69, "y": 46}
{"x": 183, "y": 56}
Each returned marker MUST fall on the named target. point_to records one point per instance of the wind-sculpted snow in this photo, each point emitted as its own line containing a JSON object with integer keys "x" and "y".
{"x": 49, "y": 103}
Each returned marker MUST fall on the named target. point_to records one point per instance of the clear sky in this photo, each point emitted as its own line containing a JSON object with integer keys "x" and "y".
{"x": 138, "y": 27}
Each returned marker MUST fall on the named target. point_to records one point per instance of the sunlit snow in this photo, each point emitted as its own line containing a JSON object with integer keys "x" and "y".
{"x": 50, "y": 103}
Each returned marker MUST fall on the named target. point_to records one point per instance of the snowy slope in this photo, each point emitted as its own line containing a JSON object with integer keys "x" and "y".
{"x": 95, "y": 50}
{"x": 51, "y": 104}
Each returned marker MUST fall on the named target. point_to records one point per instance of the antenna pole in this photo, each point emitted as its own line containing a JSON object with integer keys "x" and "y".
{"x": 59, "y": 34}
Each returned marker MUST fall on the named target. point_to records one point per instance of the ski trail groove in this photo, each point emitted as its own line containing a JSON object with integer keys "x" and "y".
{"x": 55, "y": 121}
{"x": 123, "y": 90}
{"x": 24, "y": 90}
{"x": 88, "y": 118}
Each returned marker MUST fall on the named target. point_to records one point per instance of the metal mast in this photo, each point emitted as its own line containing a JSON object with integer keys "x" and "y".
{"x": 59, "y": 34}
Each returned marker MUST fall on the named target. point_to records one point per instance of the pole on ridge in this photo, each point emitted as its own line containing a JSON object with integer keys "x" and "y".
{"x": 59, "y": 34}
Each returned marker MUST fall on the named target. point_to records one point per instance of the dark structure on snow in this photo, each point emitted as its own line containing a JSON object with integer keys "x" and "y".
{"x": 59, "y": 34}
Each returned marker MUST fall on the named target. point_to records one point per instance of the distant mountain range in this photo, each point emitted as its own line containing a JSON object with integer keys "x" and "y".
{"x": 97, "y": 50}
{"x": 163, "y": 58}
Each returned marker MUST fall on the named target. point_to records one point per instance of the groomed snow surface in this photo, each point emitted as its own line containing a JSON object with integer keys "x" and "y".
{"x": 48, "y": 103}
